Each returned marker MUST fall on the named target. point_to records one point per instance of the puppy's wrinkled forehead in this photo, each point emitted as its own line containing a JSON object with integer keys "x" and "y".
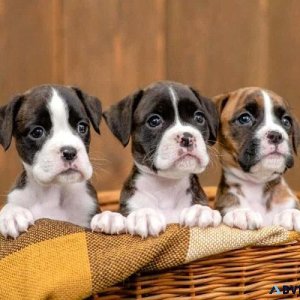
{"x": 165, "y": 99}
{"x": 42, "y": 103}
{"x": 252, "y": 99}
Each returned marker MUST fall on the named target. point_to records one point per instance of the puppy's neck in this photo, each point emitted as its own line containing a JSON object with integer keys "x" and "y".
{"x": 145, "y": 171}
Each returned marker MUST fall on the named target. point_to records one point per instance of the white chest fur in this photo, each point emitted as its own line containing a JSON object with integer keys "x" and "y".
{"x": 168, "y": 196}
{"x": 252, "y": 196}
{"x": 70, "y": 203}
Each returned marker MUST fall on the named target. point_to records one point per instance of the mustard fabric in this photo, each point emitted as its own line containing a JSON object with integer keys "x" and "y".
{"x": 53, "y": 269}
{"x": 59, "y": 260}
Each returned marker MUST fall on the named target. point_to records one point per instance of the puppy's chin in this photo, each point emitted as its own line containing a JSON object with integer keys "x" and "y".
{"x": 69, "y": 178}
{"x": 189, "y": 164}
{"x": 180, "y": 172}
{"x": 180, "y": 168}
{"x": 269, "y": 166}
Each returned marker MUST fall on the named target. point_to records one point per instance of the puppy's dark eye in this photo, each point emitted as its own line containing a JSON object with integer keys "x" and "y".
{"x": 286, "y": 122}
{"x": 244, "y": 119}
{"x": 82, "y": 128}
{"x": 199, "y": 117}
{"x": 37, "y": 133}
{"x": 154, "y": 121}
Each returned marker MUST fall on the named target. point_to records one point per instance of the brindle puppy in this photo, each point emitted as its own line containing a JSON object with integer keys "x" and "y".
{"x": 258, "y": 137}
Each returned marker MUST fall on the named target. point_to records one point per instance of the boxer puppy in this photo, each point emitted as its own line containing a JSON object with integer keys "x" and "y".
{"x": 258, "y": 136}
{"x": 51, "y": 126}
{"x": 170, "y": 125}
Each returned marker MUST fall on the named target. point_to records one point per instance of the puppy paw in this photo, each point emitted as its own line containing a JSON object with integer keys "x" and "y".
{"x": 201, "y": 216}
{"x": 289, "y": 219}
{"x": 109, "y": 222}
{"x": 243, "y": 218}
{"x": 14, "y": 220}
{"x": 146, "y": 222}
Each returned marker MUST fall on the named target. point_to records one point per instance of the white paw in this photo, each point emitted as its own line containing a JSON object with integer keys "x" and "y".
{"x": 243, "y": 218}
{"x": 109, "y": 222}
{"x": 14, "y": 220}
{"x": 145, "y": 222}
{"x": 289, "y": 219}
{"x": 199, "y": 215}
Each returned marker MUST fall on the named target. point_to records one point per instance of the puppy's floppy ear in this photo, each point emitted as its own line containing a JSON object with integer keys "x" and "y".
{"x": 119, "y": 117}
{"x": 92, "y": 106}
{"x": 7, "y": 118}
{"x": 295, "y": 134}
{"x": 221, "y": 101}
{"x": 211, "y": 114}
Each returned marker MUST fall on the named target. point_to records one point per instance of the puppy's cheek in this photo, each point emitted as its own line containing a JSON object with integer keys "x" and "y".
{"x": 165, "y": 155}
{"x": 46, "y": 165}
{"x": 84, "y": 165}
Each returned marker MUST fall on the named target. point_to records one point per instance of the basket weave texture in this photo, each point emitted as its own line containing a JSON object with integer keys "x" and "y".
{"x": 248, "y": 273}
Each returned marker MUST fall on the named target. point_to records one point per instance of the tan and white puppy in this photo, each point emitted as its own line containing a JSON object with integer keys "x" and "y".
{"x": 258, "y": 136}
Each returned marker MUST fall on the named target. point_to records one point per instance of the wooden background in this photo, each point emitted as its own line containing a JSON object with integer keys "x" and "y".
{"x": 111, "y": 47}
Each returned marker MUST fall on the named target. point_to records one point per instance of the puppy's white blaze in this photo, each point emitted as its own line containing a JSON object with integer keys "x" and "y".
{"x": 268, "y": 106}
{"x": 174, "y": 99}
{"x": 58, "y": 112}
{"x": 269, "y": 118}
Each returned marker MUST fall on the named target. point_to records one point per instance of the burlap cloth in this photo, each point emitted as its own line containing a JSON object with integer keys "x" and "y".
{"x": 58, "y": 260}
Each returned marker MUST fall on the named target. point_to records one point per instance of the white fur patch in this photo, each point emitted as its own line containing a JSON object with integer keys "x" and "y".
{"x": 109, "y": 222}
{"x": 174, "y": 99}
{"x": 166, "y": 195}
{"x": 201, "y": 216}
{"x": 14, "y": 220}
{"x": 167, "y": 160}
{"x": 243, "y": 218}
{"x": 146, "y": 222}
{"x": 289, "y": 219}
{"x": 70, "y": 203}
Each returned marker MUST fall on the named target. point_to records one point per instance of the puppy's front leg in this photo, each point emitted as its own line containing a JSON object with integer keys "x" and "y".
{"x": 109, "y": 222}
{"x": 201, "y": 216}
{"x": 14, "y": 220}
{"x": 235, "y": 215}
{"x": 146, "y": 222}
{"x": 287, "y": 213}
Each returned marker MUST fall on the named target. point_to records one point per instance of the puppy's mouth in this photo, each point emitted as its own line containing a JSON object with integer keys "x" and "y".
{"x": 187, "y": 156}
{"x": 274, "y": 154}
{"x": 70, "y": 171}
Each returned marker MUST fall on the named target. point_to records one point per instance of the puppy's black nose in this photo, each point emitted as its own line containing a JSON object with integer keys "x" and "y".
{"x": 275, "y": 137}
{"x": 68, "y": 153}
{"x": 186, "y": 140}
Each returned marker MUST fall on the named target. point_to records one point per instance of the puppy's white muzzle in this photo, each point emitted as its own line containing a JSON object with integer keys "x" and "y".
{"x": 182, "y": 151}
{"x": 61, "y": 162}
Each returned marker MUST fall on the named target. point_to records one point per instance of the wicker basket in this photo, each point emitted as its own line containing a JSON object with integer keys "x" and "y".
{"x": 248, "y": 273}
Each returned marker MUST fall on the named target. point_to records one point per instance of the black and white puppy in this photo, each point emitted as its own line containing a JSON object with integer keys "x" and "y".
{"x": 170, "y": 125}
{"x": 50, "y": 124}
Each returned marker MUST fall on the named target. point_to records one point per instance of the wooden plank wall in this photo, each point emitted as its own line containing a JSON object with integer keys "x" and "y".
{"x": 111, "y": 47}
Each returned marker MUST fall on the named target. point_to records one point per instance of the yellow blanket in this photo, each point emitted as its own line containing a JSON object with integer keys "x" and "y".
{"x": 58, "y": 260}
